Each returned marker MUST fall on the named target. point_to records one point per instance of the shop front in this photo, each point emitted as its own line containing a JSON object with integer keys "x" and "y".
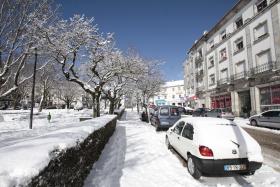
{"x": 270, "y": 97}
{"x": 221, "y": 101}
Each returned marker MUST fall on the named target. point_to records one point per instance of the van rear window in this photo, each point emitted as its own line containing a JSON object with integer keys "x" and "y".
{"x": 164, "y": 111}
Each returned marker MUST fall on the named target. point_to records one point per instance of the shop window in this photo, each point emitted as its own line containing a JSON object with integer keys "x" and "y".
{"x": 261, "y": 5}
{"x": 260, "y": 31}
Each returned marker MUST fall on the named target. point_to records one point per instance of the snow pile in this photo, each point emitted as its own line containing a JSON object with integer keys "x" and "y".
{"x": 22, "y": 158}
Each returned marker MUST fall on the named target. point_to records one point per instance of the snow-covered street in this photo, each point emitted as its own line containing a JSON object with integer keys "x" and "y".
{"x": 136, "y": 155}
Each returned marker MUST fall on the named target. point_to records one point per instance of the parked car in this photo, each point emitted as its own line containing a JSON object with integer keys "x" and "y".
{"x": 201, "y": 112}
{"x": 165, "y": 116}
{"x": 270, "y": 118}
{"x": 182, "y": 110}
{"x": 214, "y": 146}
{"x": 221, "y": 113}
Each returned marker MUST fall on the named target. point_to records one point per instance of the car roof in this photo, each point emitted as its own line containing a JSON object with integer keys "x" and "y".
{"x": 206, "y": 120}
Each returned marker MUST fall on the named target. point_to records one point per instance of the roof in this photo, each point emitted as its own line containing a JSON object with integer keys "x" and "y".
{"x": 207, "y": 120}
{"x": 174, "y": 83}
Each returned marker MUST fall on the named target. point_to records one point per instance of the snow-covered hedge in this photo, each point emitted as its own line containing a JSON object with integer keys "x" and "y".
{"x": 70, "y": 167}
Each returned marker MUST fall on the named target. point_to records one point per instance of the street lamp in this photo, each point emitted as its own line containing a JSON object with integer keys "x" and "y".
{"x": 33, "y": 90}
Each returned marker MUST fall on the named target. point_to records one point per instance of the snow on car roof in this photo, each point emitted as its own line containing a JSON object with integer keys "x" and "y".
{"x": 207, "y": 121}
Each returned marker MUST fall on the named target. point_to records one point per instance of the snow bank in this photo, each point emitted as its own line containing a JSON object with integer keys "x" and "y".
{"x": 23, "y": 159}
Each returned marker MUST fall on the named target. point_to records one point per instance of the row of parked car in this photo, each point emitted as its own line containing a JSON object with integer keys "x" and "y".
{"x": 163, "y": 117}
{"x": 210, "y": 142}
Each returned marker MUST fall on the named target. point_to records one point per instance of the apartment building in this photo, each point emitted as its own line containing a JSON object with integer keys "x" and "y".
{"x": 236, "y": 64}
{"x": 171, "y": 93}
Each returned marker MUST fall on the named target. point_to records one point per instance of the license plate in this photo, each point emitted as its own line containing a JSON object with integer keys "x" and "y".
{"x": 234, "y": 167}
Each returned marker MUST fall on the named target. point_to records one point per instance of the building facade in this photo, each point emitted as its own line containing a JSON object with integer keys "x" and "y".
{"x": 171, "y": 93}
{"x": 236, "y": 64}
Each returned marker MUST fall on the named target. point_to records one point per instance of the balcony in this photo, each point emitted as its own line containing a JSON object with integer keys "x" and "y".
{"x": 263, "y": 68}
{"x": 199, "y": 74}
{"x": 199, "y": 89}
{"x": 224, "y": 81}
{"x": 198, "y": 61}
{"x": 241, "y": 75}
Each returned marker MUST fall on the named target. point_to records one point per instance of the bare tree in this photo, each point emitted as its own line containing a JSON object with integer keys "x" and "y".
{"x": 20, "y": 25}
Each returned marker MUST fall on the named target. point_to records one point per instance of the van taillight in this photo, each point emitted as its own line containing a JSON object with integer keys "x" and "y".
{"x": 205, "y": 151}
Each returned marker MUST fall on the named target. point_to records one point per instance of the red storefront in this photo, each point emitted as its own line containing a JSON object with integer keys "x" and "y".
{"x": 221, "y": 101}
{"x": 270, "y": 97}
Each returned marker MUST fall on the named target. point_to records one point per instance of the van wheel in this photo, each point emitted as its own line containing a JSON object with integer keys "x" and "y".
{"x": 192, "y": 168}
{"x": 253, "y": 122}
{"x": 167, "y": 143}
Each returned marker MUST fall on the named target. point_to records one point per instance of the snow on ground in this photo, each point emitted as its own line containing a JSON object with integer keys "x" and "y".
{"x": 136, "y": 156}
{"x": 24, "y": 152}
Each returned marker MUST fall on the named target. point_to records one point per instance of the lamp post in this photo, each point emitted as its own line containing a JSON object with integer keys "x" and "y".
{"x": 33, "y": 90}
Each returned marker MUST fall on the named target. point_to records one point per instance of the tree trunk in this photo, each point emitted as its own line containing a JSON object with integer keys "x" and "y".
{"x": 43, "y": 98}
{"x": 98, "y": 104}
{"x": 111, "y": 107}
{"x": 94, "y": 112}
{"x": 67, "y": 103}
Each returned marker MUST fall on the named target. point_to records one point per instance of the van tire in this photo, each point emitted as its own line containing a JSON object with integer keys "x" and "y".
{"x": 192, "y": 167}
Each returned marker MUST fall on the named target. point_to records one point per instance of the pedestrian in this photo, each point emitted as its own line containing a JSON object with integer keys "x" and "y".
{"x": 49, "y": 117}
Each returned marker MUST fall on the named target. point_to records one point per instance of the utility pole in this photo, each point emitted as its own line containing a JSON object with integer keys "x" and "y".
{"x": 33, "y": 90}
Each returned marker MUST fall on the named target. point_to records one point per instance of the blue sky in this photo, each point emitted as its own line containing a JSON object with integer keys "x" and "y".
{"x": 158, "y": 29}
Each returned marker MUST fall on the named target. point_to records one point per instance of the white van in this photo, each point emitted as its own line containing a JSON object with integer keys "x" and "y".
{"x": 214, "y": 146}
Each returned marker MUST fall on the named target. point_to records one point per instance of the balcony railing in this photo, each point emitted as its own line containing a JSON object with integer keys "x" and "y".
{"x": 240, "y": 75}
{"x": 263, "y": 68}
{"x": 199, "y": 74}
{"x": 223, "y": 81}
{"x": 200, "y": 89}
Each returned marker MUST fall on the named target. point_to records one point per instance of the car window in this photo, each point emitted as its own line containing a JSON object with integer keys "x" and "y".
{"x": 188, "y": 131}
{"x": 268, "y": 114}
{"x": 179, "y": 127}
{"x": 174, "y": 112}
{"x": 276, "y": 114}
{"x": 164, "y": 111}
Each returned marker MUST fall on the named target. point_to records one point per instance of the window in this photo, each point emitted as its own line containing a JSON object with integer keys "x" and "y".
{"x": 224, "y": 73}
{"x": 263, "y": 58}
{"x": 239, "y": 22}
{"x": 261, "y": 5}
{"x": 211, "y": 44}
{"x": 188, "y": 131}
{"x": 158, "y": 97}
{"x": 164, "y": 112}
{"x": 268, "y": 114}
{"x": 261, "y": 31}
{"x": 211, "y": 79}
{"x": 174, "y": 112}
{"x": 179, "y": 127}
{"x": 211, "y": 62}
{"x": 223, "y": 35}
{"x": 238, "y": 45}
{"x": 199, "y": 53}
{"x": 223, "y": 54}
{"x": 173, "y": 96}
{"x": 173, "y": 89}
